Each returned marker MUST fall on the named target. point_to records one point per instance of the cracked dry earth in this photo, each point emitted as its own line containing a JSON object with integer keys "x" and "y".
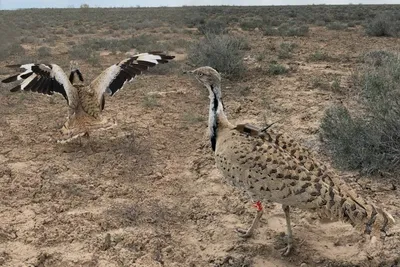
{"x": 147, "y": 193}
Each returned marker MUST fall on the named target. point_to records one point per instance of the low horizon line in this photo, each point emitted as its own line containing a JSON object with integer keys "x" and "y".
{"x": 139, "y": 6}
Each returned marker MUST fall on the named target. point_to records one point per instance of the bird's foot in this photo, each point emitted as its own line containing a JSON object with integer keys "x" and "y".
{"x": 244, "y": 233}
{"x": 249, "y": 232}
{"x": 286, "y": 250}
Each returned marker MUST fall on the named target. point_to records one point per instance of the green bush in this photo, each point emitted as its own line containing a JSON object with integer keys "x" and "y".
{"x": 285, "y": 50}
{"x": 385, "y": 24}
{"x": 213, "y": 27}
{"x": 319, "y": 56}
{"x": 222, "y": 52}
{"x": 251, "y": 23}
{"x": 276, "y": 69}
{"x": 287, "y": 29}
{"x": 370, "y": 141}
{"x": 292, "y": 29}
{"x": 142, "y": 43}
{"x": 270, "y": 31}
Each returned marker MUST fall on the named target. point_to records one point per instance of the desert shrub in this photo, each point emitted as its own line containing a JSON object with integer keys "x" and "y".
{"x": 147, "y": 24}
{"x": 195, "y": 20}
{"x": 270, "y": 31}
{"x": 287, "y": 29}
{"x": 250, "y": 23}
{"x": 319, "y": 55}
{"x": 275, "y": 68}
{"x": 335, "y": 85}
{"x": 213, "y": 27}
{"x": 16, "y": 50}
{"x": 320, "y": 23}
{"x": 292, "y": 29}
{"x": 9, "y": 49}
{"x": 286, "y": 49}
{"x": 337, "y": 26}
{"x": 79, "y": 51}
{"x": 141, "y": 42}
{"x": 385, "y": 24}
{"x": 85, "y": 53}
{"x": 369, "y": 141}
{"x": 222, "y": 52}
{"x": 351, "y": 24}
{"x": 44, "y": 51}
{"x": 30, "y": 40}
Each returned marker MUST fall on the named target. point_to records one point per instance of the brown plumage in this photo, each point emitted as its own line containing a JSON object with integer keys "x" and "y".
{"x": 85, "y": 102}
{"x": 272, "y": 166}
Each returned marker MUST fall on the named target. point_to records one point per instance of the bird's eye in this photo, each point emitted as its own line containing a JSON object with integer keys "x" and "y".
{"x": 200, "y": 74}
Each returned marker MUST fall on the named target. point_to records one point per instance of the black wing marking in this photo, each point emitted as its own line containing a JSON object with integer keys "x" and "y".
{"x": 116, "y": 76}
{"x": 72, "y": 76}
{"x": 40, "y": 78}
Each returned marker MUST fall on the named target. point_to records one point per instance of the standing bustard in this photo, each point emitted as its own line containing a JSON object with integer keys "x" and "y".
{"x": 274, "y": 167}
{"x": 85, "y": 102}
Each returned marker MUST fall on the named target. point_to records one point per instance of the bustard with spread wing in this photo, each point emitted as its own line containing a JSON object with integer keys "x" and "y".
{"x": 85, "y": 102}
{"x": 274, "y": 167}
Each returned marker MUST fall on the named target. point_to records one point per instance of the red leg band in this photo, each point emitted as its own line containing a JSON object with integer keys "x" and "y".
{"x": 258, "y": 206}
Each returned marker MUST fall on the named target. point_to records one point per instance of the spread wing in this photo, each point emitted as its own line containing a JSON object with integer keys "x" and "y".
{"x": 45, "y": 79}
{"x": 115, "y": 77}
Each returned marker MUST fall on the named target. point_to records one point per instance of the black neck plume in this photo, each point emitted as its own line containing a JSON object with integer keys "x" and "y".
{"x": 213, "y": 119}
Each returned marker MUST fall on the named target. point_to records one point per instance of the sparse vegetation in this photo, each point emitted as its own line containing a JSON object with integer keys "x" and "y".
{"x": 318, "y": 82}
{"x": 150, "y": 101}
{"x": 130, "y": 194}
{"x": 369, "y": 141}
{"x": 192, "y": 118}
{"x": 335, "y": 85}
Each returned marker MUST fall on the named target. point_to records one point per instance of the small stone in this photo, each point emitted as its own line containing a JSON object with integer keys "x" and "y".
{"x": 168, "y": 249}
{"x": 107, "y": 242}
{"x": 303, "y": 265}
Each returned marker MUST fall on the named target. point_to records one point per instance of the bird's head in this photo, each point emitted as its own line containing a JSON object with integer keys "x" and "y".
{"x": 73, "y": 65}
{"x": 208, "y": 76}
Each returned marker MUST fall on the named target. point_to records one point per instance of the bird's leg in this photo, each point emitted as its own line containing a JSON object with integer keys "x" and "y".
{"x": 249, "y": 232}
{"x": 286, "y": 250}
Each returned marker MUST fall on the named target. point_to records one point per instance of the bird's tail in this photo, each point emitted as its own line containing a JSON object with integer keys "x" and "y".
{"x": 342, "y": 203}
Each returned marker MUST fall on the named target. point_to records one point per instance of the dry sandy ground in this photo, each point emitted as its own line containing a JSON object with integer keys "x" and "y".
{"x": 147, "y": 193}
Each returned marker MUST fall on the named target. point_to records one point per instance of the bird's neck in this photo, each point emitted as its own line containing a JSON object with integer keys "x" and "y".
{"x": 217, "y": 118}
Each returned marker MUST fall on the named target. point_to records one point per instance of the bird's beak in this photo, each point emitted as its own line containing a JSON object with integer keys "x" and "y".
{"x": 187, "y": 72}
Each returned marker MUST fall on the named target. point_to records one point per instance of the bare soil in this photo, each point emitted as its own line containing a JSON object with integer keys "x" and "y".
{"x": 147, "y": 193}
